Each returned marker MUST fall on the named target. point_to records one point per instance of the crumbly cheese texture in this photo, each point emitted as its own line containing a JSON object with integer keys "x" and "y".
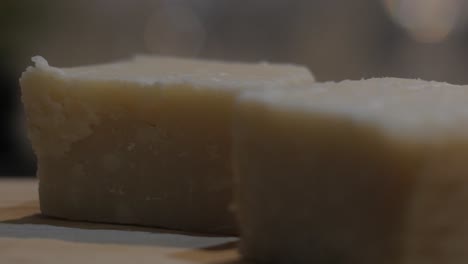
{"x": 370, "y": 171}
{"x": 145, "y": 141}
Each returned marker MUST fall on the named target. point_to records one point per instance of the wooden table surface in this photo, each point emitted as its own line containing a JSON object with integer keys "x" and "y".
{"x": 27, "y": 237}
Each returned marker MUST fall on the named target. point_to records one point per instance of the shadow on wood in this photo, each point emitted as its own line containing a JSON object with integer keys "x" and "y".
{"x": 25, "y": 221}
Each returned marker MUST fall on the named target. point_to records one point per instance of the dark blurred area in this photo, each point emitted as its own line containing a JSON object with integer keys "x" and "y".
{"x": 336, "y": 39}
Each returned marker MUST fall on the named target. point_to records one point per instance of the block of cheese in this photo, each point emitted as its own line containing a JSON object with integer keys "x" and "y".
{"x": 371, "y": 171}
{"x": 144, "y": 141}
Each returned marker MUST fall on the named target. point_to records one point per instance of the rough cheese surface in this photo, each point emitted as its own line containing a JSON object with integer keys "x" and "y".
{"x": 198, "y": 73}
{"x": 145, "y": 141}
{"x": 399, "y": 107}
{"x": 370, "y": 171}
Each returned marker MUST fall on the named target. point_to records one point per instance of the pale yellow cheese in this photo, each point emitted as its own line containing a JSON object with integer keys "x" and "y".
{"x": 145, "y": 141}
{"x": 372, "y": 171}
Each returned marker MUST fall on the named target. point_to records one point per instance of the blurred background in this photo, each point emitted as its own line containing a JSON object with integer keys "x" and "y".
{"x": 336, "y": 39}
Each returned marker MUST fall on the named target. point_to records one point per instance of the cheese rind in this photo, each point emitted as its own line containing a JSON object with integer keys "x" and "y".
{"x": 322, "y": 178}
{"x": 144, "y": 142}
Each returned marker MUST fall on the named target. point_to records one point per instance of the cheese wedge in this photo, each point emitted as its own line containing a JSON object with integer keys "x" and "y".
{"x": 371, "y": 171}
{"x": 145, "y": 141}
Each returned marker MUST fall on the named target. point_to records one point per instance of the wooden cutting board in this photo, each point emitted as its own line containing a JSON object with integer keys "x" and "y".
{"x": 27, "y": 237}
